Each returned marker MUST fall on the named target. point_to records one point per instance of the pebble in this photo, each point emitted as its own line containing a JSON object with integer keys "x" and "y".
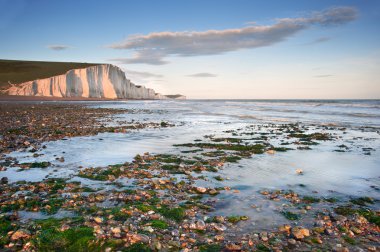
{"x": 4, "y": 180}
{"x": 20, "y": 234}
{"x": 201, "y": 189}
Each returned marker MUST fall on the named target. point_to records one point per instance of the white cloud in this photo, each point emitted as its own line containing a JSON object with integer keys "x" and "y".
{"x": 202, "y": 75}
{"x": 154, "y": 47}
{"x": 58, "y": 47}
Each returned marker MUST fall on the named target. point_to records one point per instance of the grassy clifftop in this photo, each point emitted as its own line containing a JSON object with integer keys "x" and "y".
{"x": 19, "y": 71}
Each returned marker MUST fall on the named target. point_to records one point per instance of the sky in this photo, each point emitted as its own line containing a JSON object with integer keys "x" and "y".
{"x": 209, "y": 49}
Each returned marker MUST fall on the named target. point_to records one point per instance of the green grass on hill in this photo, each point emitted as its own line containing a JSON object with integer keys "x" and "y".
{"x": 19, "y": 71}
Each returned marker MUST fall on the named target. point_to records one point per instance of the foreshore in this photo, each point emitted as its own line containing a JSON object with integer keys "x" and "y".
{"x": 163, "y": 201}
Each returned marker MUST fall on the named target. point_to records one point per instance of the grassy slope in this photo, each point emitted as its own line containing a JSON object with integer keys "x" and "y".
{"x": 17, "y": 71}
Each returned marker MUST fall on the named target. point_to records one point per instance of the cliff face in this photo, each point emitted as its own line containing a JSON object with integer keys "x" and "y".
{"x": 100, "y": 81}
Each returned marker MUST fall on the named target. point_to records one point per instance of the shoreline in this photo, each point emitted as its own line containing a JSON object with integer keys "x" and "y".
{"x": 166, "y": 208}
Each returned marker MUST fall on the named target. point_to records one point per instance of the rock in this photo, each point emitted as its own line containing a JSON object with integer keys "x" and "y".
{"x": 219, "y": 238}
{"x": 264, "y": 236}
{"x": 299, "y": 171}
{"x": 148, "y": 229}
{"x": 135, "y": 238}
{"x": 4, "y": 180}
{"x": 319, "y": 223}
{"x": 356, "y": 230}
{"x": 292, "y": 241}
{"x": 219, "y": 227}
{"x": 329, "y": 231}
{"x": 157, "y": 245}
{"x": 98, "y": 220}
{"x": 271, "y": 152}
{"x": 175, "y": 232}
{"x": 213, "y": 192}
{"x": 64, "y": 227}
{"x": 200, "y": 225}
{"x": 339, "y": 218}
{"x": 300, "y": 233}
{"x": 201, "y": 189}
{"x": 284, "y": 228}
{"x": 360, "y": 219}
{"x": 20, "y": 234}
{"x": 233, "y": 247}
{"x": 116, "y": 230}
{"x": 219, "y": 219}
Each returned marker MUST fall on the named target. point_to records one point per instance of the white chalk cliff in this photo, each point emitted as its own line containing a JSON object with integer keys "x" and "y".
{"x": 100, "y": 81}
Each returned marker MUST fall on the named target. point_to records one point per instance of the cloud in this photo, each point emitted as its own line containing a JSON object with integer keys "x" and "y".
{"x": 154, "y": 47}
{"x": 323, "y": 76}
{"x": 58, "y": 47}
{"x": 319, "y": 40}
{"x": 143, "y": 75}
{"x": 202, "y": 75}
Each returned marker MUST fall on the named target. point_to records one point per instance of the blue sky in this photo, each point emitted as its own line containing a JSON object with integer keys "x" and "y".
{"x": 209, "y": 49}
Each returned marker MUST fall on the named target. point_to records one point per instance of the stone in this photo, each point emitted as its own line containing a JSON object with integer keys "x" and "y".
{"x": 20, "y": 234}
{"x": 292, "y": 241}
{"x": 116, "y": 230}
{"x": 213, "y": 192}
{"x": 175, "y": 232}
{"x": 356, "y": 230}
{"x": 200, "y": 225}
{"x": 201, "y": 189}
{"x": 233, "y": 247}
{"x": 4, "y": 180}
{"x": 135, "y": 238}
{"x": 219, "y": 227}
{"x": 219, "y": 238}
{"x": 148, "y": 229}
{"x": 98, "y": 220}
{"x": 339, "y": 218}
{"x": 300, "y": 233}
{"x": 219, "y": 219}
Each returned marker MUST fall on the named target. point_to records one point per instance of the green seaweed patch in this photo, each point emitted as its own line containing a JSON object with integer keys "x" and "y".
{"x": 219, "y": 178}
{"x": 349, "y": 240}
{"x": 176, "y": 213}
{"x": 137, "y": 247}
{"x": 210, "y": 248}
{"x": 345, "y": 210}
{"x": 290, "y": 215}
{"x": 159, "y": 224}
{"x": 310, "y": 199}
{"x": 362, "y": 201}
{"x": 166, "y": 158}
{"x": 73, "y": 239}
{"x": 280, "y": 149}
{"x": 227, "y": 139}
{"x": 261, "y": 247}
{"x": 312, "y": 136}
{"x": 192, "y": 151}
{"x": 236, "y": 218}
{"x": 217, "y": 153}
{"x": 256, "y": 148}
{"x": 371, "y": 216}
{"x": 232, "y": 159}
{"x": 43, "y": 164}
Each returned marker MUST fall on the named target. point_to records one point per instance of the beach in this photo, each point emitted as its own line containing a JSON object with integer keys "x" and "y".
{"x": 190, "y": 175}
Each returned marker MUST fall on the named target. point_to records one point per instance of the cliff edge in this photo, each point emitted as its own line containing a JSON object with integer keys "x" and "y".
{"x": 89, "y": 81}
